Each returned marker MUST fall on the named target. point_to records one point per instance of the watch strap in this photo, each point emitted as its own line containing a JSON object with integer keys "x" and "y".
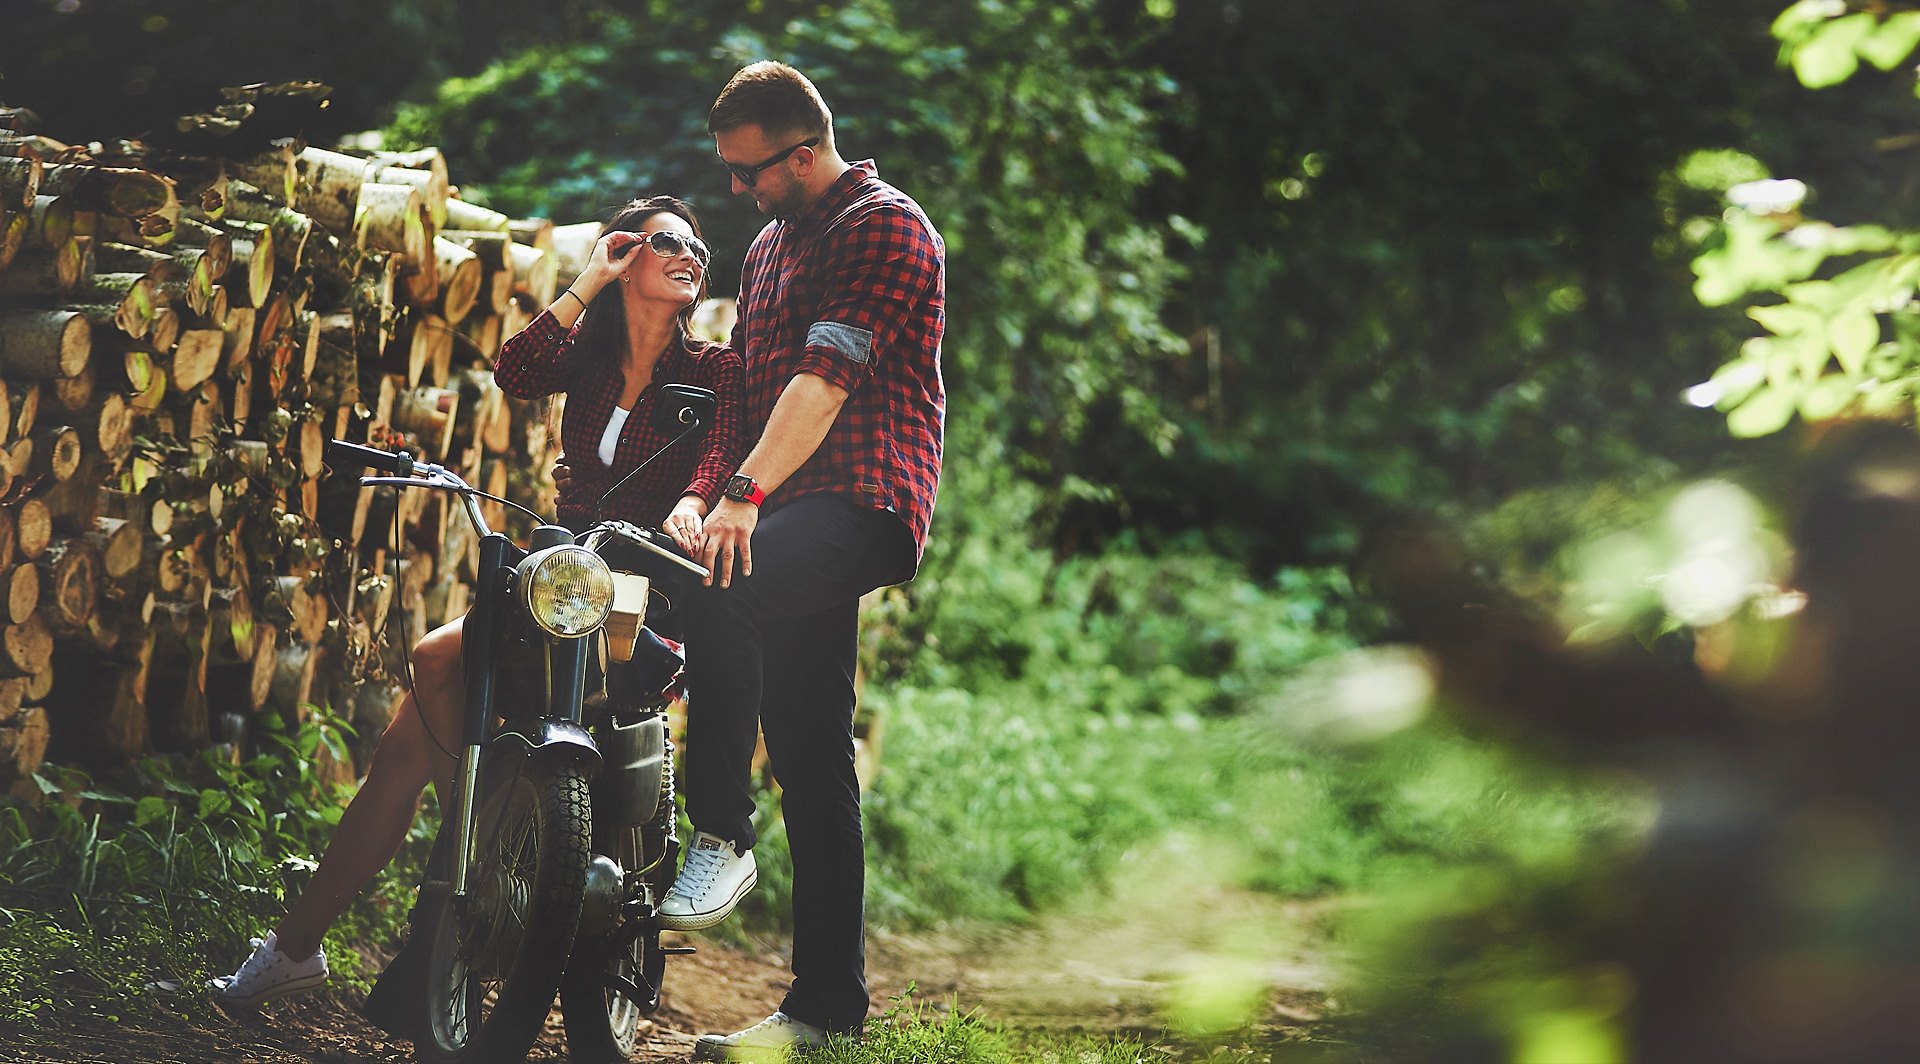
{"x": 743, "y": 488}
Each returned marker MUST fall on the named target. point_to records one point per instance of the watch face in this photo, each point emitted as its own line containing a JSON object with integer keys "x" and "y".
{"x": 738, "y": 488}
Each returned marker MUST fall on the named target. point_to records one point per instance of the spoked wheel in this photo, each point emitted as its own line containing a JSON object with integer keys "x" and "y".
{"x": 602, "y": 1020}
{"x": 493, "y": 965}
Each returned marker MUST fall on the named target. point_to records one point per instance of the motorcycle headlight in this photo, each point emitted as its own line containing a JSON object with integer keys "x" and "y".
{"x": 567, "y": 589}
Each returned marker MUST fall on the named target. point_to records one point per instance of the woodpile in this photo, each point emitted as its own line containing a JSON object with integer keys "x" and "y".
{"x": 179, "y": 336}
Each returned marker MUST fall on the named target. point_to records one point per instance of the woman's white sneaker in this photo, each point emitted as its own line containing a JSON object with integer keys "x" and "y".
{"x": 269, "y": 974}
{"x": 712, "y": 881}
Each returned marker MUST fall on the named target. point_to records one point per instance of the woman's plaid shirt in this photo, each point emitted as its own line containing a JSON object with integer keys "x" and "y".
{"x": 853, "y": 289}
{"x": 543, "y": 360}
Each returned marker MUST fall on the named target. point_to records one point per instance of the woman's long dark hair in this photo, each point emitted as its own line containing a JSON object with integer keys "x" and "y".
{"x": 603, "y": 328}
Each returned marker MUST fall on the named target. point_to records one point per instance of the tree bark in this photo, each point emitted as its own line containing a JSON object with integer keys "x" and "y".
{"x": 127, "y": 303}
{"x": 392, "y": 218}
{"x": 50, "y": 222}
{"x": 42, "y": 344}
{"x": 20, "y": 181}
{"x": 536, "y": 273}
{"x": 291, "y": 229}
{"x": 124, "y": 193}
{"x": 50, "y": 273}
{"x": 458, "y": 274}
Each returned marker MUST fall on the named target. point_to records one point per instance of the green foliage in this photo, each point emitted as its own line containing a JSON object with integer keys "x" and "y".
{"x": 1021, "y": 127}
{"x": 1825, "y": 40}
{"x": 164, "y": 876}
{"x": 1842, "y": 334}
{"x": 1046, "y": 719}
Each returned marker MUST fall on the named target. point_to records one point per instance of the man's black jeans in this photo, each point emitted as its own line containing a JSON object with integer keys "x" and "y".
{"x": 778, "y": 648}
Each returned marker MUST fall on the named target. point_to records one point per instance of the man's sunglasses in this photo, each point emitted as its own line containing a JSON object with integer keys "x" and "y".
{"x": 667, "y": 244}
{"x": 749, "y": 174}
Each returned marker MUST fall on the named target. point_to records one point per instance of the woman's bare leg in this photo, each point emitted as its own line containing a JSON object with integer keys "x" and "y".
{"x": 377, "y": 819}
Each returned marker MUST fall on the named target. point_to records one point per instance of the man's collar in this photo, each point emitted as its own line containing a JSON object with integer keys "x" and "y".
{"x": 836, "y": 195}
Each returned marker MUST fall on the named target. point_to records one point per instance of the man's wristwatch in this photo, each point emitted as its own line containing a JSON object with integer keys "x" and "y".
{"x": 741, "y": 488}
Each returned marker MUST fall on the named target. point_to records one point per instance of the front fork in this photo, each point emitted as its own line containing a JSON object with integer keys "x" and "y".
{"x": 566, "y": 666}
{"x": 477, "y": 641}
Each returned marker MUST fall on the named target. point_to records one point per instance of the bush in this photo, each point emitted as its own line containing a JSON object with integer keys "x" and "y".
{"x": 160, "y": 878}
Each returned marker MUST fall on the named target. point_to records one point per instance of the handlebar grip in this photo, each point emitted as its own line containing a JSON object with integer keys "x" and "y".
{"x": 341, "y": 454}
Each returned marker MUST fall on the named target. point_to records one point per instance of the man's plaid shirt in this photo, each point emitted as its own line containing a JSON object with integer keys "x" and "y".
{"x": 853, "y": 289}
{"x": 543, "y": 360}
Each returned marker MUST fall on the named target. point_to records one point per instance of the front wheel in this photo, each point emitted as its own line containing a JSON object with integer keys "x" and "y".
{"x": 603, "y": 1021}
{"x": 492, "y": 965}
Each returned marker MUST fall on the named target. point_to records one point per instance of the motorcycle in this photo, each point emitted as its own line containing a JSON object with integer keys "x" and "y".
{"x": 559, "y": 840}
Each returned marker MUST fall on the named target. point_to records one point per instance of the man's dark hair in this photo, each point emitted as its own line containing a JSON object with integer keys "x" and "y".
{"x": 603, "y": 327}
{"x": 775, "y": 97}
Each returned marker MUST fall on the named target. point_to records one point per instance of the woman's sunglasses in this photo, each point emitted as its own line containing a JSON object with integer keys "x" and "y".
{"x": 667, "y": 244}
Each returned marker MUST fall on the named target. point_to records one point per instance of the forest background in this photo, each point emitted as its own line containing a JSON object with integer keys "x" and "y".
{"x": 1233, "y": 284}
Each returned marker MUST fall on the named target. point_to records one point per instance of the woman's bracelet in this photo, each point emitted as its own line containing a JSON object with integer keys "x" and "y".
{"x": 576, "y": 298}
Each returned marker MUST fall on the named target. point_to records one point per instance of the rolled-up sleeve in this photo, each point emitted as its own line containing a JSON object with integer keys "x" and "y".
{"x": 536, "y": 361}
{"x": 877, "y": 274}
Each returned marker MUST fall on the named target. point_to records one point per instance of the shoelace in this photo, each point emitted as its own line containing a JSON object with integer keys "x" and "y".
{"x": 256, "y": 960}
{"x": 699, "y": 871}
{"x": 253, "y": 965}
{"x": 777, "y": 1021}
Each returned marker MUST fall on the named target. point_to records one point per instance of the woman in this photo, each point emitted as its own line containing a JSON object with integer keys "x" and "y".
{"x": 608, "y": 341}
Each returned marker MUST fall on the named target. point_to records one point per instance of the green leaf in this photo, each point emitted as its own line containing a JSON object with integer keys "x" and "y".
{"x": 1785, "y": 319}
{"x": 1851, "y": 335}
{"x": 1829, "y": 397}
{"x": 1827, "y": 56}
{"x": 213, "y": 803}
{"x": 1803, "y": 16}
{"x": 1763, "y": 415}
{"x": 149, "y": 810}
{"x": 1893, "y": 41}
{"x": 1817, "y": 294}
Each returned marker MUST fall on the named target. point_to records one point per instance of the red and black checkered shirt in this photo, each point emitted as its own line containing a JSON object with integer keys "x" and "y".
{"x": 853, "y": 289}
{"x": 543, "y": 360}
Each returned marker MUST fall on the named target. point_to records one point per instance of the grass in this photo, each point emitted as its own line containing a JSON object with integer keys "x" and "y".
{"x": 913, "y": 1031}
{"x": 108, "y": 893}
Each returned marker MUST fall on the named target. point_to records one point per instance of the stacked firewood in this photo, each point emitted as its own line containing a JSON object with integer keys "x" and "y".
{"x": 179, "y": 336}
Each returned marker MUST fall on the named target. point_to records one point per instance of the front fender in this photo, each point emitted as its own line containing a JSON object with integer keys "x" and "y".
{"x": 546, "y": 737}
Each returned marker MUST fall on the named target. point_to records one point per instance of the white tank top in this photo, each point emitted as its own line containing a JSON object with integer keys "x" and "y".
{"x": 611, "y": 438}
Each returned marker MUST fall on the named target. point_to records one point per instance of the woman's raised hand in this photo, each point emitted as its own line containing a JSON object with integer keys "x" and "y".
{"x": 611, "y": 256}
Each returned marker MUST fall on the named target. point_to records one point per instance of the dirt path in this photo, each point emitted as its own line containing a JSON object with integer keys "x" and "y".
{"x": 1123, "y": 964}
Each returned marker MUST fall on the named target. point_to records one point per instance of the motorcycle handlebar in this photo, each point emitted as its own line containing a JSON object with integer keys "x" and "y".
{"x": 340, "y": 453}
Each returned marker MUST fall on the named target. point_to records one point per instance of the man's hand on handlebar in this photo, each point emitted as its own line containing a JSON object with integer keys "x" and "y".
{"x": 728, "y": 537}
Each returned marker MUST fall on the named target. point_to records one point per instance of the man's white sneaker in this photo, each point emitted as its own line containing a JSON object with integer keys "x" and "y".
{"x": 712, "y": 881}
{"x": 269, "y": 974}
{"x": 769, "y": 1040}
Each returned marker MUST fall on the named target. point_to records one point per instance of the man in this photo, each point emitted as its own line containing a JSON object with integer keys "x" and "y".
{"x": 842, "y": 309}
